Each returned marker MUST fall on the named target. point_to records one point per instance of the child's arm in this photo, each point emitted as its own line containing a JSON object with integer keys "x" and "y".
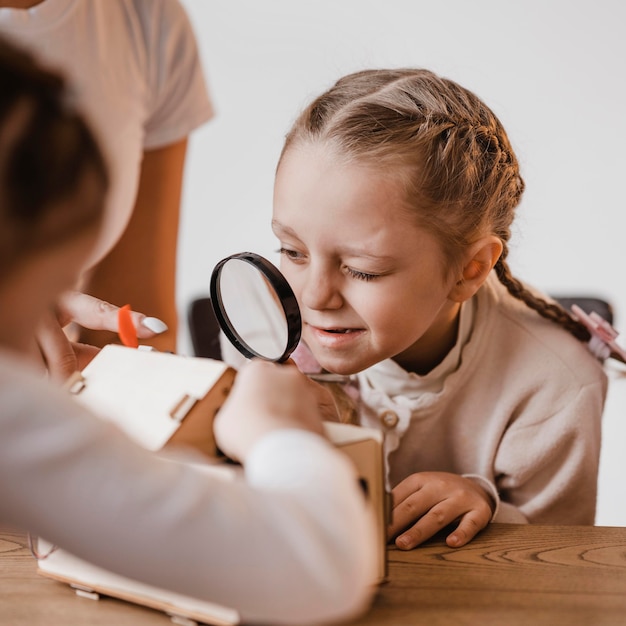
{"x": 426, "y": 502}
{"x": 290, "y": 542}
{"x": 547, "y": 464}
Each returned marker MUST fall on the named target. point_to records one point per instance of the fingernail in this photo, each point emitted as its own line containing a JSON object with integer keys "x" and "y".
{"x": 154, "y": 324}
{"x": 403, "y": 542}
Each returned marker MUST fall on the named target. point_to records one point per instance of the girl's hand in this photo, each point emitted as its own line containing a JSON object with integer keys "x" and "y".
{"x": 265, "y": 397}
{"x": 325, "y": 399}
{"x": 426, "y": 502}
{"x": 61, "y": 356}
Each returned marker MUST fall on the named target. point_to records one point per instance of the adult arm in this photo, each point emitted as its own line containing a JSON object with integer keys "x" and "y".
{"x": 141, "y": 268}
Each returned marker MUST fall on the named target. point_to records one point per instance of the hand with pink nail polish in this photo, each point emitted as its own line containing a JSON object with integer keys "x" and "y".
{"x": 63, "y": 356}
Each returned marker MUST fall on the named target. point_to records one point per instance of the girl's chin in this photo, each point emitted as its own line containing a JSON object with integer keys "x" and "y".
{"x": 342, "y": 367}
{"x": 337, "y": 353}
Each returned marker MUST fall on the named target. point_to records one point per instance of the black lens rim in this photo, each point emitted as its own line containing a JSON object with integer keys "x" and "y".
{"x": 285, "y": 295}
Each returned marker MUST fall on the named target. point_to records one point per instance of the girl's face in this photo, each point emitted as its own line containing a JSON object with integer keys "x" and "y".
{"x": 370, "y": 283}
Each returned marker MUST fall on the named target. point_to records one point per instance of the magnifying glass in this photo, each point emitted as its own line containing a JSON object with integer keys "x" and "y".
{"x": 257, "y": 310}
{"x": 255, "y": 307}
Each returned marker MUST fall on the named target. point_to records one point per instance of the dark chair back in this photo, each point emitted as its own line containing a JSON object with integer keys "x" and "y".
{"x": 204, "y": 329}
{"x": 588, "y": 304}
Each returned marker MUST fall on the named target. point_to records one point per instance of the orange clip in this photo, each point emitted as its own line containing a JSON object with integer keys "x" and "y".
{"x": 126, "y": 328}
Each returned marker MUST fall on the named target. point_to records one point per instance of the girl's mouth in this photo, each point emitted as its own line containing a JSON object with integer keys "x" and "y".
{"x": 334, "y": 337}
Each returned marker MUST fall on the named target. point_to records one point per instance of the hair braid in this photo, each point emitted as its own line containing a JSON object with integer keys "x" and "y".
{"x": 551, "y": 311}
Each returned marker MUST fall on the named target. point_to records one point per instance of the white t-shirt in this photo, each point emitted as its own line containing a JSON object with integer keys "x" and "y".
{"x": 289, "y": 542}
{"x": 136, "y": 74}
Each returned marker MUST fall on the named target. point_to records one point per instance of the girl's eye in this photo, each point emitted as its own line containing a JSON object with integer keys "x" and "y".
{"x": 361, "y": 275}
{"x": 293, "y": 255}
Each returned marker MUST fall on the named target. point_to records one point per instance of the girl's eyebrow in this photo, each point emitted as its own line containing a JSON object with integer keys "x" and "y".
{"x": 278, "y": 227}
{"x": 362, "y": 254}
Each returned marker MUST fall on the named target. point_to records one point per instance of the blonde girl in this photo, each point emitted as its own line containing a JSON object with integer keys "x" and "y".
{"x": 394, "y": 198}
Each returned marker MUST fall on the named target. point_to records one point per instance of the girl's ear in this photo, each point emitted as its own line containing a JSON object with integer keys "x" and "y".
{"x": 480, "y": 259}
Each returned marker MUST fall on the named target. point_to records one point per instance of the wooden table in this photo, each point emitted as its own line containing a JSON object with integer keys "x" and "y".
{"x": 510, "y": 575}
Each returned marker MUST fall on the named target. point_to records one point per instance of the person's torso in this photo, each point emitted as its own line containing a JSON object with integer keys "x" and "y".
{"x": 135, "y": 75}
{"x": 511, "y": 365}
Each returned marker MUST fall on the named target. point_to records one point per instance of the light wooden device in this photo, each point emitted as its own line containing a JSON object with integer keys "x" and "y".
{"x": 162, "y": 400}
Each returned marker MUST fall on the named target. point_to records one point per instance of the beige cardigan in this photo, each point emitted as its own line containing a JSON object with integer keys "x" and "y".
{"x": 517, "y": 406}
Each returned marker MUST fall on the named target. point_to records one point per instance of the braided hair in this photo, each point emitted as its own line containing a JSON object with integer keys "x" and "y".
{"x": 449, "y": 150}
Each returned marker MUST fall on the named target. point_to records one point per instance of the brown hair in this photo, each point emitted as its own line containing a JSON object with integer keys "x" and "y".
{"x": 446, "y": 145}
{"x": 46, "y": 149}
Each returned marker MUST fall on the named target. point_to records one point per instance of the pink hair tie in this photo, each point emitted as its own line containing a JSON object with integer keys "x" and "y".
{"x": 602, "y": 343}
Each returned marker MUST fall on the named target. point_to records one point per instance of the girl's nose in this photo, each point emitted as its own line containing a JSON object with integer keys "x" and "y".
{"x": 320, "y": 290}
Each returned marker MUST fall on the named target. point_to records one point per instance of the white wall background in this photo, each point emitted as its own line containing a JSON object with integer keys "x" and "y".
{"x": 554, "y": 71}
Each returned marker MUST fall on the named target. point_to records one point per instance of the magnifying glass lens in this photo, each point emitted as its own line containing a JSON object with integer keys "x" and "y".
{"x": 255, "y": 307}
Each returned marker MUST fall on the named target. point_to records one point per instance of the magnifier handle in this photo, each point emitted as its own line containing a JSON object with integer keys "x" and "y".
{"x": 328, "y": 377}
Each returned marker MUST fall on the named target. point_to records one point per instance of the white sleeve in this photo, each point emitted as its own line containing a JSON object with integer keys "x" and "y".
{"x": 291, "y": 543}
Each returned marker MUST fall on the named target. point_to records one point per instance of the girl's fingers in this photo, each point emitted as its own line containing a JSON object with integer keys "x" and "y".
{"x": 425, "y": 503}
{"x": 409, "y": 503}
{"x": 469, "y": 526}
{"x": 428, "y": 525}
